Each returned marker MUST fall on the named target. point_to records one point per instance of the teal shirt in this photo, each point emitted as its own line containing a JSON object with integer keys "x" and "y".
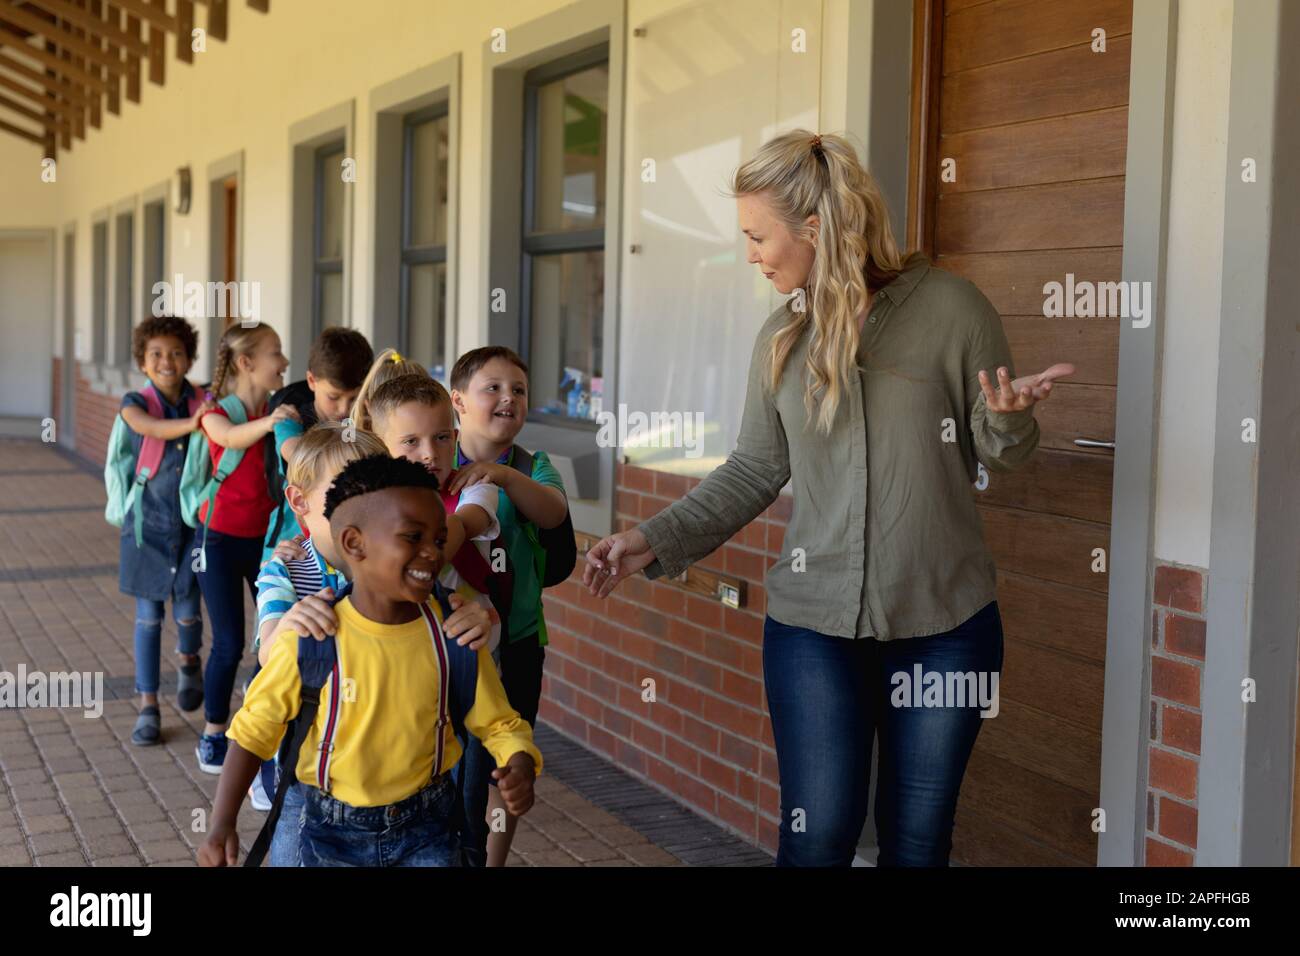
{"x": 526, "y": 604}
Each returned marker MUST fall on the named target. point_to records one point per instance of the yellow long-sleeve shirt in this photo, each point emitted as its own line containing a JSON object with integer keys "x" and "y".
{"x": 384, "y": 744}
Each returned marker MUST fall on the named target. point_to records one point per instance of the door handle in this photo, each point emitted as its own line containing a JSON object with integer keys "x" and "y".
{"x": 1095, "y": 443}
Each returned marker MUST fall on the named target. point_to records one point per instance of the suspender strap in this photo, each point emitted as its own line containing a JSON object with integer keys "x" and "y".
{"x": 444, "y": 687}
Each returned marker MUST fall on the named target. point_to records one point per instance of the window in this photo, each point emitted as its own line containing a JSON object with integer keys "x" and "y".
{"x": 423, "y": 306}
{"x": 123, "y": 294}
{"x": 565, "y": 130}
{"x": 99, "y": 290}
{"x": 327, "y": 267}
{"x": 154, "y": 254}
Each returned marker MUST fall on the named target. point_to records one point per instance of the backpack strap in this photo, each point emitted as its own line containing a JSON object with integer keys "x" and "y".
{"x": 317, "y": 665}
{"x": 147, "y": 463}
{"x": 230, "y": 459}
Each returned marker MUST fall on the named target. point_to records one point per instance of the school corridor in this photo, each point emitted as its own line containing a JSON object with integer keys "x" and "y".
{"x": 75, "y": 792}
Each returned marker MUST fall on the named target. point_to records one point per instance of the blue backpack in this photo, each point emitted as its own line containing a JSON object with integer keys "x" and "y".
{"x": 317, "y": 666}
{"x": 126, "y": 473}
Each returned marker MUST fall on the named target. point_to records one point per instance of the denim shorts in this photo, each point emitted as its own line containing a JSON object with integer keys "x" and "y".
{"x": 422, "y": 830}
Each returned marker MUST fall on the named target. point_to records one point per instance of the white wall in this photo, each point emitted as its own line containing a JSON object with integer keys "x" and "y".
{"x": 1185, "y": 471}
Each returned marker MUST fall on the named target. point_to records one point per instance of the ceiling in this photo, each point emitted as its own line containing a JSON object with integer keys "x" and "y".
{"x": 65, "y": 64}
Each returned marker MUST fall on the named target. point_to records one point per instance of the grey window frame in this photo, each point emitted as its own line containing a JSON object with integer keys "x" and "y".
{"x": 412, "y": 255}
{"x": 533, "y": 243}
{"x": 320, "y": 267}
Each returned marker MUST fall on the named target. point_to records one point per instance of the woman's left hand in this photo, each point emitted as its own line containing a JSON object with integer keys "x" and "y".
{"x": 1023, "y": 392}
{"x": 469, "y": 622}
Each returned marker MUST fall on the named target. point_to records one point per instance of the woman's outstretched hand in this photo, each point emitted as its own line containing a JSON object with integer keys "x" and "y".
{"x": 617, "y": 557}
{"x": 1023, "y": 392}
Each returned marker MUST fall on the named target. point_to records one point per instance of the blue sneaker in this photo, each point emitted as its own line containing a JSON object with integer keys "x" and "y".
{"x": 211, "y": 752}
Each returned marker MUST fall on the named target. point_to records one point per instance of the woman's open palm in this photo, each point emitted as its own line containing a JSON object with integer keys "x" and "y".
{"x": 1025, "y": 391}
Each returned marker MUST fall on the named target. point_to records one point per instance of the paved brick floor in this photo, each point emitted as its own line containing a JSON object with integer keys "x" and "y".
{"x": 75, "y": 792}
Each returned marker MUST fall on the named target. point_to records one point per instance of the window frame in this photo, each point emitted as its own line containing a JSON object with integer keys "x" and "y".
{"x": 534, "y": 243}
{"x": 320, "y": 267}
{"x": 411, "y": 255}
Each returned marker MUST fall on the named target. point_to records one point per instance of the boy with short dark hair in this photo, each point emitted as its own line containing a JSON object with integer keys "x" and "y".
{"x": 375, "y": 764}
{"x": 489, "y": 390}
{"x": 336, "y": 366}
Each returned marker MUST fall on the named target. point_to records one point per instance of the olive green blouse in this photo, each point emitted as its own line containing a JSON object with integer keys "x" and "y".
{"x": 885, "y": 540}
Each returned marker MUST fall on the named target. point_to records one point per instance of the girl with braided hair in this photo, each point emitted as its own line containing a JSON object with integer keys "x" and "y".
{"x": 250, "y": 365}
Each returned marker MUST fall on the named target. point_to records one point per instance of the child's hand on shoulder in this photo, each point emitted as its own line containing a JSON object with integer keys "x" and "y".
{"x": 284, "y": 412}
{"x": 478, "y": 472}
{"x": 291, "y": 549}
{"x": 206, "y": 406}
{"x": 515, "y": 783}
{"x": 221, "y": 848}
{"x": 469, "y": 622}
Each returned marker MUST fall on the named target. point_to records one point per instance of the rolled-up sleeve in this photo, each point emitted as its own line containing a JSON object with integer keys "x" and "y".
{"x": 273, "y": 699}
{"x": 1002, "y": 440}
{"x": 736, "y": 491}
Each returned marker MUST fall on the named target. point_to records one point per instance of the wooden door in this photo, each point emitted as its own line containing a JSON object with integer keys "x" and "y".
{"x": 230, "y": 247}
{"x": 1035, "y": 122}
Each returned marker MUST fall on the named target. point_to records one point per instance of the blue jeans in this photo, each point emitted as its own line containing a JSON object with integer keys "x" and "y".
{"x": 473, "y": 775}
{"x": 148, "y": 635}
{"x": 285, "y": 846}
{"x": 422, "y": 830}
{"x": 232, "y": 563}
{"x": 828, "y": 696}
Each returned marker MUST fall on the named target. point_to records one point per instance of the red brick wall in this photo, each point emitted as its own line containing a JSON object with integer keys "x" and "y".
{"x": 93, "y": 420}
{"x": 1177, "y": 665}
{"x": 706, "y": 738}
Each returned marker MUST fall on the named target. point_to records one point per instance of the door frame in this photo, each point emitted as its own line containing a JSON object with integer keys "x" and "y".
{"x": 67, "y": 319}
{"x": 47, "y": 237}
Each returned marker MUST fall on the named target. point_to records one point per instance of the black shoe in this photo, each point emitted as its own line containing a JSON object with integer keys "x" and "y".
{"x": 148, "y": 727}
{"x": 189, "y": 687}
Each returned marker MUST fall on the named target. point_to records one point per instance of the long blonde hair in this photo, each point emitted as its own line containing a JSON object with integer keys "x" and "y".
{"x": 801, "y": 173}
{"x": 238, "y": 340}
{"x": 388, "y": 365}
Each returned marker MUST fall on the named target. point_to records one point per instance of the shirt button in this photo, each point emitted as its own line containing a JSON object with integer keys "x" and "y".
{"x": 173, "y": 570}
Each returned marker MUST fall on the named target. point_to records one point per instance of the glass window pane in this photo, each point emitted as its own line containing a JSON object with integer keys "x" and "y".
{"x": 331, "y": 211}
{"x": 568, "y": 307}
{"x": 426, "y": 311}
{"x": 331, "y": 300}
{"x": 569, "y": 166}
{"x": 428, "y": 209}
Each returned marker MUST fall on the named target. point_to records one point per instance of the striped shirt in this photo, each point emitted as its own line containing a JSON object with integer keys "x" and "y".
{"x": 281, "y": 584}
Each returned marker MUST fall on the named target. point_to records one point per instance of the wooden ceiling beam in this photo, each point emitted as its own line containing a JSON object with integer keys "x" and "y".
{"x": 218, "y": 19}
{"x": 69, "y": 72}
{"x": 22, "y": 133}
{"x": 62, "y": 37}
{"x": 72, "y": 14}
{"x": 185, "y": 30}
{"x": 44, "y": 99}
{"x": 49, "y": 122}
{"x": 53, "y": 84}
{"x": 156, "y": 15}
{"x": 261, "y": 6}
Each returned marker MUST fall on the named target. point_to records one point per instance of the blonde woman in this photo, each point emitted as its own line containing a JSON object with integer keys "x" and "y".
{"x": 874, "y": 390}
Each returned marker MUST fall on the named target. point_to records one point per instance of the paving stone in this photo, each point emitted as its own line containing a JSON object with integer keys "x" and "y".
{"x": 99, "y": 847}
{"x": 165, "y": 851}
{"x": 61, "y": 859}
{"x": 52, "y": 823}
{"x": 551, "y": 858}
{"x": 647, "y": 854}
{"x": 15, "y": 856}
{"x": 119, "y": 861}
